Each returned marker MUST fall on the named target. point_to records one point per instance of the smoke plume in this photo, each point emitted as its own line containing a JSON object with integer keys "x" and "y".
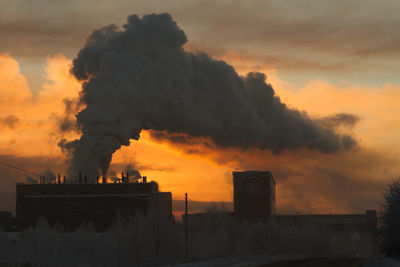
{"x": 49, "y": 175}
{"x": 132, "y": 172}
{"x": 140, "y": 78}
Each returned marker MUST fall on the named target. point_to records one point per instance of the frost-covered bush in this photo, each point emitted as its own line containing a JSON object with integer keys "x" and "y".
{"x": 150, "y": 240}
{"x": 135, "y": 241}
{"x": 379, "y": 262}
{"x": 391, "y": 220}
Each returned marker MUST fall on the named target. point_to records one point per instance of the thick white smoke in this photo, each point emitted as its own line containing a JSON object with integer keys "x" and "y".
{"x": 141, "y": 78}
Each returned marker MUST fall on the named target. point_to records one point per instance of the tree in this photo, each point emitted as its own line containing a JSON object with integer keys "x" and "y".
{"x": 391, "y": 220}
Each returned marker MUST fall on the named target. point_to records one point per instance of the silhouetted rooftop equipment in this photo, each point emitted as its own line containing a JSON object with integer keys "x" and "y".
{"x": 73, "y": 203}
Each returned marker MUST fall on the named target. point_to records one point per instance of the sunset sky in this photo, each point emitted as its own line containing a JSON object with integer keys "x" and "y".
{"x": 320, "y": 57}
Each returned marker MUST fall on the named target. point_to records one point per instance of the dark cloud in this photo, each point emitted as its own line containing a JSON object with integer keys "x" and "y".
{"x": 140, "y": 78}
{"x": 67, "y": 121}
{"x": 173, "y": 138}
{"x": 313, "y": 27}
{"x": 184, "y": 142}
{"x": 262, "y": 59}
{"x": 340, "y": 119}
{"x": 312, "y": 34}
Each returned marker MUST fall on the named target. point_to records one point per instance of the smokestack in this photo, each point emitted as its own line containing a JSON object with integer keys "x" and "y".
{"x": 122, "y": 177}
{"x": 80, "y": 178}
{"x": 59, "y": 179}
{"x": 127, "y": 177}
{"x": 144, "y": 179}
{"x": 65, "y": 179}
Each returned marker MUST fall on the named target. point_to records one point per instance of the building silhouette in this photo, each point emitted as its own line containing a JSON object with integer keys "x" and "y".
{"x": 254, "y": 195}
{"x": 254, "y": 200}
{"x": 101, "y": 204}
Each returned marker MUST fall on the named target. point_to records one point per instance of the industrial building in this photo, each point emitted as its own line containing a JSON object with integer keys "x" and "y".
{"x": 254, "y": 195}
{"x": 254, "y": 200}
{"x": 71, "y": 204}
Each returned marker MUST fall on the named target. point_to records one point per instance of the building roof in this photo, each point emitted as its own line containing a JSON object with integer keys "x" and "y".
{"x": 253, "y": 172}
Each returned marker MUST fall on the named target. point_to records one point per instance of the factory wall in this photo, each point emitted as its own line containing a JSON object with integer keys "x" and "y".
{"x": 334, "y": 223}
{"x": 100, "y": 204}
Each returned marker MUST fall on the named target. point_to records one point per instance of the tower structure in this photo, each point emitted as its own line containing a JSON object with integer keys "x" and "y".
{"x": 254, "y": 195}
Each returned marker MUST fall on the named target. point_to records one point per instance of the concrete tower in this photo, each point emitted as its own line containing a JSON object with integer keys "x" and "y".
{"x": 254, "y": 195}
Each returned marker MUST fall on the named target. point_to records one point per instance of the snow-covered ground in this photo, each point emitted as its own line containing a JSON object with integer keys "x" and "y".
{"x": 217, "y": 241}
{"x": 380, "y": 261}
{"x": 261, "y": 260}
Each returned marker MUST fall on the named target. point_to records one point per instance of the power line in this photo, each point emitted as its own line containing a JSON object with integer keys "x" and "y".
{"x": 19, "y": 169}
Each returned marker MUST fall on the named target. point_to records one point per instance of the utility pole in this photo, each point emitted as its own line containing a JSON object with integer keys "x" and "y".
{"x": 186, "y": 226}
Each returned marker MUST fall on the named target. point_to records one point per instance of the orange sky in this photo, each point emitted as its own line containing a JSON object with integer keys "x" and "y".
{"x": 307, "y": 181}
{"x": 320, "y": 57}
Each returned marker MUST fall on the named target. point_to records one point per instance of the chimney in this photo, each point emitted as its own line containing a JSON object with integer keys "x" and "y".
{"x": 127, "y": 177}
{"x": 80, "y": 178}
{"x": 59, "y": 179}
{"x": 122, "y": 178}
{"x": 144, "y": 179}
